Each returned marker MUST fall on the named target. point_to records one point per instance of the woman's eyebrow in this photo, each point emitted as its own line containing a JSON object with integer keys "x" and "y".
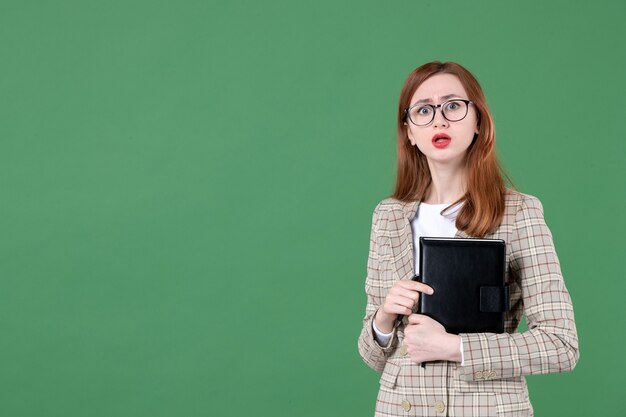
{"x": 426, "y": 100}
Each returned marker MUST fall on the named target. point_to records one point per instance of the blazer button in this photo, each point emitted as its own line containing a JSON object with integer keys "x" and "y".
{"x": 403, "y": 350}
{"x": 406, "y": 405}
{"x": 439, "y": 406}
{"x": 479, "y": 375}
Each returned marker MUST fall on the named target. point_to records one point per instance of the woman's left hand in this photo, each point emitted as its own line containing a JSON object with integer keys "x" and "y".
{"x": 427, "y": 340}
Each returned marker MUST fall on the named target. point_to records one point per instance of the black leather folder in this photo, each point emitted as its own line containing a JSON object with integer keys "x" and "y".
{"x": 471, "y": 295}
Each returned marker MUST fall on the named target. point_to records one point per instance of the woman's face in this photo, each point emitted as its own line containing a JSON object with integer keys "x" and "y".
{"x": 436, "y": 90}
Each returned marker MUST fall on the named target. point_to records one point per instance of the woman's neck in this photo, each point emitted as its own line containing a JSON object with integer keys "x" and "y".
{"x": 448, "y": 184}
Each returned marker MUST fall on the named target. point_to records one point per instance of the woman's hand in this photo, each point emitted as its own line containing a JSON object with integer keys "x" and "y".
{"x": 427, "y": 340}
{"x": 400, "y": 300}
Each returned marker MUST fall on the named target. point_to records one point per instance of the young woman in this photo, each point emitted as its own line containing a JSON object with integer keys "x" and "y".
{"x": 449, "y": 183}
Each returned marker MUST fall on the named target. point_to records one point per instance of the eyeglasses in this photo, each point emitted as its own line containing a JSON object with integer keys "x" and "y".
{"x": 452, "y": 110}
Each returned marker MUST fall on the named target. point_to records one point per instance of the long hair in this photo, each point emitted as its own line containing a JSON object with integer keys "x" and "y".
{"x": 484, "y": 199}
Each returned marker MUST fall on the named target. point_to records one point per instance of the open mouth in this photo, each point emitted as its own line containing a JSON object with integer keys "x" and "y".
{"x": 441, "y": 140}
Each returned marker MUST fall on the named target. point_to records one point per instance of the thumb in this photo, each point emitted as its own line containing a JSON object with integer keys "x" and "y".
{"x": 416, "y": 319}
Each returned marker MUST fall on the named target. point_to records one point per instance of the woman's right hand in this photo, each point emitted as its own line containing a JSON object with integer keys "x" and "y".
{"x": 400, "y": 300}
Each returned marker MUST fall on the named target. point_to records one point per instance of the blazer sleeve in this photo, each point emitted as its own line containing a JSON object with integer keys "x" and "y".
{"x": 374, "y": 355}
{"x": 551, "y": 342}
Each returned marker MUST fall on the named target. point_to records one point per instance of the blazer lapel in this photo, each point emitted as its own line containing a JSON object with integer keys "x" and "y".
{"x": 402, "y": 249}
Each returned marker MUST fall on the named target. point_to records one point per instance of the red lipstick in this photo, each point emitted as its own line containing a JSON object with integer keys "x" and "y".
{"x": 441, "y": 140}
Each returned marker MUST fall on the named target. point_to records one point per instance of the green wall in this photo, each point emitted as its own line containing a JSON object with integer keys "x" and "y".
{"x": 187, "y": 189}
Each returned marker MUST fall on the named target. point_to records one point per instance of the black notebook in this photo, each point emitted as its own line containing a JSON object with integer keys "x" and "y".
{"x": 471, "y": 295}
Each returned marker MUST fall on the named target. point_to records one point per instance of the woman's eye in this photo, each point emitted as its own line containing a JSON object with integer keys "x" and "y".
{"x": 453, "y": 106}
{"x": 423, "y": 110}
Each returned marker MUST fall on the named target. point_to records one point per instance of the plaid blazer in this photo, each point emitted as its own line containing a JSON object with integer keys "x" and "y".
{"x": 491, "y": 382}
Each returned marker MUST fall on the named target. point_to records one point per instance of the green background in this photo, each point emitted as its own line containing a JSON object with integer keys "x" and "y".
{"x": 187, "y": 190}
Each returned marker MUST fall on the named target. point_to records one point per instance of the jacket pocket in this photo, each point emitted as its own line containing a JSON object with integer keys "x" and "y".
{"x": 390, "y": 375}
{"x": 509, "y": 385}
{"x": 510, "y": 395}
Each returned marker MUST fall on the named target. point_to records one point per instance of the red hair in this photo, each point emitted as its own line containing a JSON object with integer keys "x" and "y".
{"x": 483, "y": 206}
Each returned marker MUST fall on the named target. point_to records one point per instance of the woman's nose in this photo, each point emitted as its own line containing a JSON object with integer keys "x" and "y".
{"x": 439, "y": 120}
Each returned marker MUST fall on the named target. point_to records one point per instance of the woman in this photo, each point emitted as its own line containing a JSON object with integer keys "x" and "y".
{"x": 446, "y": 159}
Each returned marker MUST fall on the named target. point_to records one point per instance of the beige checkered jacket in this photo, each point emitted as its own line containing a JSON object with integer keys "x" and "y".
{"x": 491, "y": 382}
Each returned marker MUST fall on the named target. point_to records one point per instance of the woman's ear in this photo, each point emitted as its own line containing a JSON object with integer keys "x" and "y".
{"x": 409, "y": 134}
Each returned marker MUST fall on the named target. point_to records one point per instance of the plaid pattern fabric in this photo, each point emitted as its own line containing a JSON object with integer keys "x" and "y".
{"x": 491, "y": 382}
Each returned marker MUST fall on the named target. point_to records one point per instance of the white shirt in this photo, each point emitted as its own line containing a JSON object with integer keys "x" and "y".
{"x": 427, "y": 222}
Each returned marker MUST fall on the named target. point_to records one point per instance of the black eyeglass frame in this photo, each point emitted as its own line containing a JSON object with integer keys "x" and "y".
{"x": 467, "y": 102}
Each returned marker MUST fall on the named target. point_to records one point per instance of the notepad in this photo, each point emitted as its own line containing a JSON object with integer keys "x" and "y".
{"x": 471, "y": 295}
